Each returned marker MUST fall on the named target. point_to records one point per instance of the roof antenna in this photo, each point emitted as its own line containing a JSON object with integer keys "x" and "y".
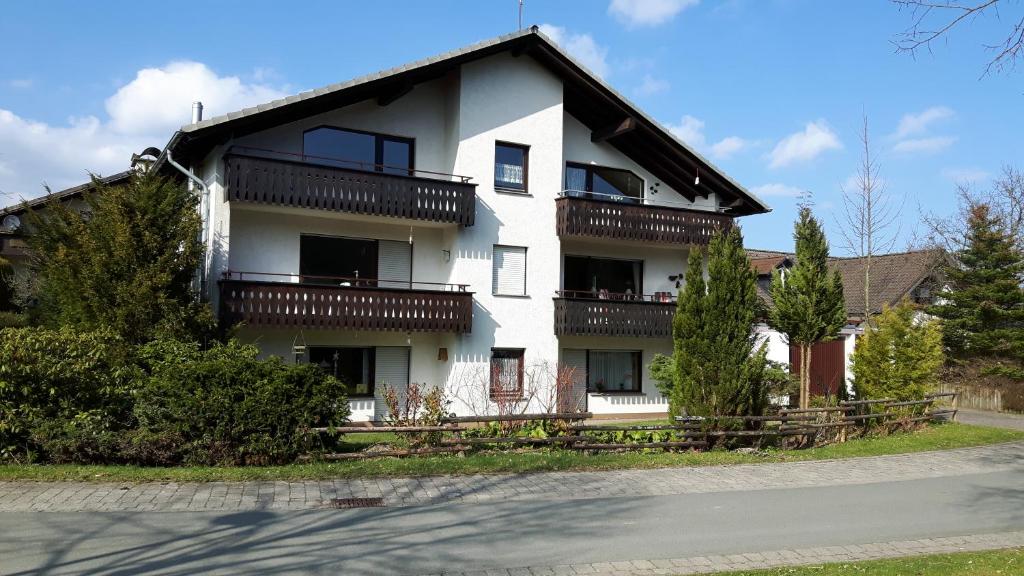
{"x": 520, "y": 14}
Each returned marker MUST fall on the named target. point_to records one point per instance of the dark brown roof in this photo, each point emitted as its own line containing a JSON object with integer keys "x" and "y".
{"x": 66, "y": 194}
{"x": 587, "y": 97}
{"x": 893, "y": 276}
{"x": 765, "y": 266}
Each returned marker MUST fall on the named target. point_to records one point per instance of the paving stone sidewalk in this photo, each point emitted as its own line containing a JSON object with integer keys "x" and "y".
{"x": 303, "y": 495}
{"x": 770, "y": 559}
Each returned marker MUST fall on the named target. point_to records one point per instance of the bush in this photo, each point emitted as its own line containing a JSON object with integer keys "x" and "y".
{"x": 230, "y": 407}
{"x": 47, "y": 377}
{"x": 900, "y": 357}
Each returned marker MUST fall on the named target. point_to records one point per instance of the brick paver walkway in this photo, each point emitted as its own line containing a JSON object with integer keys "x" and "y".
{"x": 772, "y": 559}
{"x": 221, "y": 496}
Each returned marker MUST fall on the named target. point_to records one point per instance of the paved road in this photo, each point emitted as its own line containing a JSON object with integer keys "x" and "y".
{"x": 995, "y": 419}
{"x": 499, "y": 533}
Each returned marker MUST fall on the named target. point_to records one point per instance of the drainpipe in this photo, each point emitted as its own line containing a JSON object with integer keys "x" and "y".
{"x": 204, "y": 210}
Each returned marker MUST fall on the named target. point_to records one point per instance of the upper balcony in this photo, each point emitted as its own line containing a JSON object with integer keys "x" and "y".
{"x": 626, "y": 315}
{"x": 329, "y": 302}
{"x": 591, "y": 215}
{"x": 284, "y": 179}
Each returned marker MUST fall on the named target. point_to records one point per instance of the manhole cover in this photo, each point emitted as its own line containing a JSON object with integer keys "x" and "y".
{"x": 356, "y": 502}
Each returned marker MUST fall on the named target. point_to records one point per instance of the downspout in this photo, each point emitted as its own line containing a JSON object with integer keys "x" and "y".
{"x": 204, "y": 210}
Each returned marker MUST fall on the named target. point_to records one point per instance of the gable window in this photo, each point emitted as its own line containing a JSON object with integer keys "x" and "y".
{"x": 510, "y": 166}
{"x": 613, "y": 371}
{"x": 354, "y": 367}
{"x": 508, "y": 276}
{"x": 358, "y": 150}
{"x": 603, "y": 183}
{"x": 507, "y": 372}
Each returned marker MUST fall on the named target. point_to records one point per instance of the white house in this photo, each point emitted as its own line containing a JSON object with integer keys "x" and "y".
{"x": 485, "y": 220}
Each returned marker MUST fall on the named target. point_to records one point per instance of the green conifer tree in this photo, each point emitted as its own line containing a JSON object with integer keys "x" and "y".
{"x": 717, "y": 365}
{"x": 808, "y": 302}
{"x": 124, "y": 262}
{"x": 899, "y": 356}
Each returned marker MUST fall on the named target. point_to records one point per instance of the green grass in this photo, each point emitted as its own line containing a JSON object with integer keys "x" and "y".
{"x": 936, "y": 437}
{"x": 998, "y": 562}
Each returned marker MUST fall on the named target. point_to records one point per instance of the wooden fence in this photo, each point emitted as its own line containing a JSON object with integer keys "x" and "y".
{"x": 975, "y": 397}
{"x": 795, "y": 428}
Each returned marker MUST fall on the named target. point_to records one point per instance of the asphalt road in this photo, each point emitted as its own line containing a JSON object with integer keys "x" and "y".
{"x": 425, "y": 539}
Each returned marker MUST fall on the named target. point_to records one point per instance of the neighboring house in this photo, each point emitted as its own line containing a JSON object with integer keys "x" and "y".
{"x": 493, "y": 220}
{"x": 913, "y": 275}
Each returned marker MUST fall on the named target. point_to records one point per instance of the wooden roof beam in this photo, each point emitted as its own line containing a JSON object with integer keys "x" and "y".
{"x": 627, "y": 124}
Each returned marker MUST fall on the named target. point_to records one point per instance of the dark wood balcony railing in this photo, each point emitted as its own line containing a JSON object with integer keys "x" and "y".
{"x": 615, "y": 315}
{"x": 260, "y": 179}
{"x": 339, "y": 303}
{"x": 617, "y": 220}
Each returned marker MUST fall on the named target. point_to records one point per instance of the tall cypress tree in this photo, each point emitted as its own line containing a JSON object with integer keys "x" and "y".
{"x": 717, "y": 366}
{"x": 982, "y": 303}
{"x": 808, "y": 300}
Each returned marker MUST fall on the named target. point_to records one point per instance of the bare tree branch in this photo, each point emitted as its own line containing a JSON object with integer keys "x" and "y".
{"x": 934, "y": 19}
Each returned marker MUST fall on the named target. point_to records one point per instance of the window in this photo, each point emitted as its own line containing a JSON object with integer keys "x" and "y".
{"x": 358, "y": 150}
{"x": 603, "y": 183}
{"x": 510, "y": 166}
{"x": 354, "y": 367}
{"x": 589, "y": 277}
{"x": 613, "y": 371}
{"x": 506, "y": 373}
{"x": 354, "y": 261}
{"x": 509, "y": 273}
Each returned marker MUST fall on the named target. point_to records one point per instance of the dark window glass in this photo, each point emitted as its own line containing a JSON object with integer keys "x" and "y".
{"x": 344, "y": 261}
{"x": 352, "y": 366}
{"x": 587, "y": 277}
{"x": 613, "y": 371}
{"x": 506, "y": 373}
{"x": 510, "y": 166}
{"x": 358, "y": 150}
{"x": 603, "y": 183}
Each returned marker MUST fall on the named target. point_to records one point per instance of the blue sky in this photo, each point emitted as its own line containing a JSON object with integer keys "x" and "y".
{"x": 772, "y": 91}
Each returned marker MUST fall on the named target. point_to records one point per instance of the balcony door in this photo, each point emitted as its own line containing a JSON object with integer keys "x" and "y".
{"x": 344, "y": 261}
{"x": 591, "y": 277}
{"x": 358, "y": 150}
{"x": 603, "y": 183}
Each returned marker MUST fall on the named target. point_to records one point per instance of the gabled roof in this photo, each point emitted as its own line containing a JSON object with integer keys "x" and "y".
{"x": 893, "y": 276}
{"x": 765, "y": 266}
{"x": 66, "y": 194}
{"x": 588, "y": 98}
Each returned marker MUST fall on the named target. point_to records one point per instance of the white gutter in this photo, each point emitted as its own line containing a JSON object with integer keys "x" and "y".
{"x": 204, "y": 211}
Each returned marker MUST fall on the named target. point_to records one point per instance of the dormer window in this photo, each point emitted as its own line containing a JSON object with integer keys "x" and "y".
{"x": 358, "y": 150}
{"x": 603, "y": 183}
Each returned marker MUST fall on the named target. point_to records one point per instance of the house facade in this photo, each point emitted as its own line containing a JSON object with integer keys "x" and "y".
{"x": 496, "y": 220}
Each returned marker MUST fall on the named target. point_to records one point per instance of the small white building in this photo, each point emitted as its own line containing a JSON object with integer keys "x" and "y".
{"x": 913, "y": 275}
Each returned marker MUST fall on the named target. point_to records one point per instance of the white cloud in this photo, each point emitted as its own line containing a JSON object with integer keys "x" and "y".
{"x": 726, "y": 147}
{"x": 634, "y": 13}
{"x": 777, "y": 189}
{"x": 21, "y": 83}
{"x": 966, "y": 175}
{"x": 805, "y": 145}
{"x": 689, "y": 130}
{"x": 580, "y": 46}
{"x": 650, "y": 86}
{"x": 911, "y": 124}
{"x": 924, "y": 145}
{"x": 142, "y": 113}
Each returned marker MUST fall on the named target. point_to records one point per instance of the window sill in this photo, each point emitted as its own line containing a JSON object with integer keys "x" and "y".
{"x": 512, "y": 192}
{"x": 525, "y": 296}
{"x": 616, "y": 393}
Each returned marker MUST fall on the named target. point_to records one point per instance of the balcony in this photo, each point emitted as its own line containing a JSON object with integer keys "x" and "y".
{"x": 590, "y": 217}
{"x": 280, "y": 179}
{"x": 626, "y": 315}
{"x": 331, "y": 303}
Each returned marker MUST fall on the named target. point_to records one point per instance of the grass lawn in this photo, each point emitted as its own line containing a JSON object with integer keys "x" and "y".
{"x": 998, "y": 562}
{"x": 935, "y": 437}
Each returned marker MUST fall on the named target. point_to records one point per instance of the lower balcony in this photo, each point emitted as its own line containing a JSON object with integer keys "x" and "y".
{"x": 626, "y": 315}
{"x": 334, "y": 303}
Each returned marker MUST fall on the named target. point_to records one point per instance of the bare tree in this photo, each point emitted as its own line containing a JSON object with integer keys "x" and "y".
{"x": 933, "y": 19}
{"x": 1005, "y": 199}
{"x": 869, "y": 220}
